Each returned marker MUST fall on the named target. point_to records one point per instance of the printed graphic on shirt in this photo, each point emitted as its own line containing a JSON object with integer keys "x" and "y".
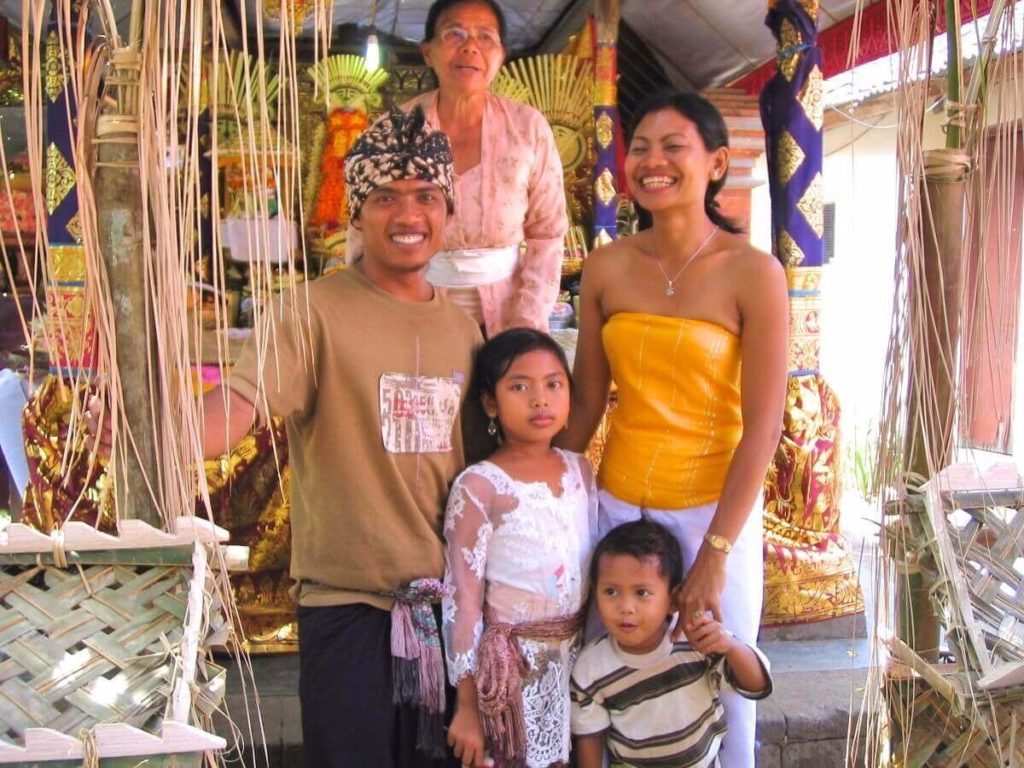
{"x": 417, "y": 413}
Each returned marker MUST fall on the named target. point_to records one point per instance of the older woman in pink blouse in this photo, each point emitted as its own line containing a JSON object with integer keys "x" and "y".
{"x": 503, "y": 254}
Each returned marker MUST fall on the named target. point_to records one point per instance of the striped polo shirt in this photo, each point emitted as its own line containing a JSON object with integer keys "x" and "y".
{"x": 658, "y": 710}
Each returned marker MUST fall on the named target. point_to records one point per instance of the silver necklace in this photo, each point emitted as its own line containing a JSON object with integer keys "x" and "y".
{"x": 670, "y": 289}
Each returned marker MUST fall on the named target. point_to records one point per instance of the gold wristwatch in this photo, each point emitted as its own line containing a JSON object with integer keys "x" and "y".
{"x": 720, "y": 543}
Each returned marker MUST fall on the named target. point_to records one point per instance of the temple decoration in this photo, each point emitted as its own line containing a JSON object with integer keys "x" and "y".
{"x": 606, "y": 118}
{"x": 249, "y": 492}
{"x": 406, "y": 82}
{"x": 561, "y": 88}
{"x": 253, "y": 225}
{"x": 242, "y": 94}
{"x": 239, "y": 90}
{"x": 17, "y": 209}
{"x": 870, "y": 29}
{"x": 53, "y": 77}
{"x": 65, "y": 483}
{"x": 69, "y": 326}
{"x": 351, "y": 93}
{"x": 248, "y": 487}
{"x": 11, "y": 94}
{"x": 295, "y": 10}
{"x": 809, "y": 572}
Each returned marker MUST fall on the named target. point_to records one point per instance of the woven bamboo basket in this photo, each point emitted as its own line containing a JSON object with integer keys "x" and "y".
{"x": 971, "y": 712}
{"x": 102, "y": 645}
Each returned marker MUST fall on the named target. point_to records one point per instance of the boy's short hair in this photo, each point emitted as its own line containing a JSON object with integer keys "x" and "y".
{"x": 642, "y": 539}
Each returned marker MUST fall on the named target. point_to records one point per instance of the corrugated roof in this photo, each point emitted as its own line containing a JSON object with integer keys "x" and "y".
{"x": 883, "y": 75}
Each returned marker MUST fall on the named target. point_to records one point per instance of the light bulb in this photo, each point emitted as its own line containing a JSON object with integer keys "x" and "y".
{"x": 372, "y": 53}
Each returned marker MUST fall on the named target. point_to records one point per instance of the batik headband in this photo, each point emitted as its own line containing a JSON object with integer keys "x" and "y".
{"x": 398, "y": 147}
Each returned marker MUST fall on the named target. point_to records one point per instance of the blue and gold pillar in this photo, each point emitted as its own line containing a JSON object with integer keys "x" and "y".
{"x": 809, "y": 572}
{"x": 606, "y": 123}
{"x": 62, "y": 485}
{"x": 69, "y": 326}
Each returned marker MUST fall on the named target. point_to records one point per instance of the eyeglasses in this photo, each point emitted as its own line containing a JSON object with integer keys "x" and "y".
{"x": 456, "y": 37}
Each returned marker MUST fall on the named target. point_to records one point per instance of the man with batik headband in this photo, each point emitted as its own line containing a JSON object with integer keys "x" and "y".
{"x": 398, "y": 147}
{"x": 369, "y": 368}
{"x": 369, "y": 373}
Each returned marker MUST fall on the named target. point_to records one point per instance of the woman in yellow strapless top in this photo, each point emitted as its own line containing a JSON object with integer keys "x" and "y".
{"x": 691, "y": 322}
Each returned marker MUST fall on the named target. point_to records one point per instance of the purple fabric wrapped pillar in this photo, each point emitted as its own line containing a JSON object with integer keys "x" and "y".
{"x": 809, "y": 573}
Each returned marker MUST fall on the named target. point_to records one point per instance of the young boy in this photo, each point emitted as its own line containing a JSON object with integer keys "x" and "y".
{"x": 650, "y": 701}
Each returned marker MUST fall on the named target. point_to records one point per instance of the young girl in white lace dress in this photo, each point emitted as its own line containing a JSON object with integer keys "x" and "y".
{"x": 519, "y": 529}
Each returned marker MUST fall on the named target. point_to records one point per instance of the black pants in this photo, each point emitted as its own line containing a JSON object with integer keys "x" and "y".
{"x": 348, "y": 718}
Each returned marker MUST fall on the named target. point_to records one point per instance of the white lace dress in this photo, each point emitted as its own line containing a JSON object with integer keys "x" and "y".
{"x": 517, "y": 552}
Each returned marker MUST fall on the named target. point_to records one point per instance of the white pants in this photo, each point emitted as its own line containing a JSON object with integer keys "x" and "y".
{"x": 741, "y": 601}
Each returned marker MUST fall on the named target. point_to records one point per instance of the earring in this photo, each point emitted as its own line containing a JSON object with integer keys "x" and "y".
{"x": 492, "y": 428}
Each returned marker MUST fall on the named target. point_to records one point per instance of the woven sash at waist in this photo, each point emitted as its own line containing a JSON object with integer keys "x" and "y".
{"x": 499, "y": 679}
{"x": 417, "y": 668}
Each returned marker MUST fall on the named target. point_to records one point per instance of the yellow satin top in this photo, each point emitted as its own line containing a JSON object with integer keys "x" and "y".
{"x": 678, "y": 421}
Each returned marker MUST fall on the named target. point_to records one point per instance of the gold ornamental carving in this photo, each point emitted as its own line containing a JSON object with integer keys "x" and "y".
{"x": 811, "y": 100}
{"x": 804, "y": 332}
{"x": 810, "y": 8}
{"x": 67, "y": 263}
{"x": 812, "y": 207}
{"x": 605, "y": 130}
{"x": 74, "y": 228}
{"x": 804, "y": 278}
{"x": 296, "y": 10}
{"x": 789, "y": 252}
{"x": 54, "y": 78}
{"x": 60, "y": 178}
{"x": 805, "y": 315}
{"x": 604, "y": 187}
{"x": 789, "y": 39}
{"x": 809, "y": 572}
{"x": 804, "y": 354}
{"x": 790, "y": 157}
{"x": 69, "y": 327}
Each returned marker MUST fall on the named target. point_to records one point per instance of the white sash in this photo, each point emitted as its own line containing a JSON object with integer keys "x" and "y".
{"x": 472, "y": 267}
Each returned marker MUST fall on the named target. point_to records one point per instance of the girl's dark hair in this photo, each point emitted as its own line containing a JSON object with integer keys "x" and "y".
{"x": 711, "y": 127}
{"x": 499, "y": 352}
{"x": 440, "y": 6}
{"x": 641, "y": 539}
